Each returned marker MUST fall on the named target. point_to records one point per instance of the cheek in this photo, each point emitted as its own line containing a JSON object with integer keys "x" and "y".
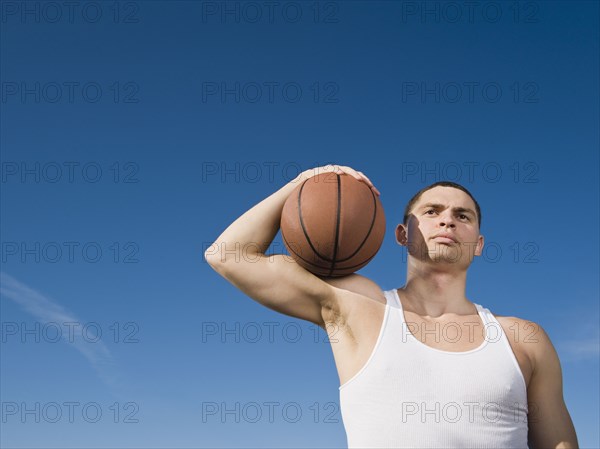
{"x": 418, "y": 232}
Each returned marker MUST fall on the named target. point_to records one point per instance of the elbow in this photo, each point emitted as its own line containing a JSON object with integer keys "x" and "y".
{"x": 221, "y": 259}
{"x": 213, "y": 256}
{"x": 218, "y": 265}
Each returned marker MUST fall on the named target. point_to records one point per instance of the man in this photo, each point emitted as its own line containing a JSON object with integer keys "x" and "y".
{"x": 419, "y": 366}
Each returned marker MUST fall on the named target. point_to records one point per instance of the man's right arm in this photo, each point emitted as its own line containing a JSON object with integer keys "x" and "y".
{"x": 275, "y": 281}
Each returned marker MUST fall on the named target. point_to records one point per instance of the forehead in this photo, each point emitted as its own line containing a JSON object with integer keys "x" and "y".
{"x": 448, "y": 196}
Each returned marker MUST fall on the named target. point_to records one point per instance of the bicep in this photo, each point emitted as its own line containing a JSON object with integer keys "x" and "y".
{"x": 550, "y": 424}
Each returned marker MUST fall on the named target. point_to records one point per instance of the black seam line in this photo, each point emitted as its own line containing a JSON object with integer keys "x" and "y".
{"x": 291, "y": 249}
{"x": 302, "y": 221}
{"x": 337, "y": 223}
{"x": 368, "y": 233}
{"x": 324, "y": 271}
{"x": 309, "y": 263}
{"x": 319, "y": 267}
{"x": 355, "y": 265}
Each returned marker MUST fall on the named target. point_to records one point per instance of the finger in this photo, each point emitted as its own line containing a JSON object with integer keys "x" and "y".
{"x": 356, "y": 174}
{"x": 370, "y": 183}
{"x": 351, "y": 172}
{"x": 365, "y": 177}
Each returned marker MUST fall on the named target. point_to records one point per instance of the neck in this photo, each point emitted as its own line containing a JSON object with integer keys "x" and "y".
{"x": 435, "y": 290}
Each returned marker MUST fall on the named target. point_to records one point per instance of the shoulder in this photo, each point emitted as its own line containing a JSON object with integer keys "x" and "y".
{"x": 521, "y": 329}
{"x": 359, "y": 284}
{"x": 518, "y": 324}
{"x": 528, "y": 335}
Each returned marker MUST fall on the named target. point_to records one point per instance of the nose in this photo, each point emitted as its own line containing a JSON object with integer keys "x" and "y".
{"x": 447, "y": 221}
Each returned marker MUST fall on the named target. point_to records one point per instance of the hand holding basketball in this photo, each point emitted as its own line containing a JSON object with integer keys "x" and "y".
{"x": 338, "y": 169}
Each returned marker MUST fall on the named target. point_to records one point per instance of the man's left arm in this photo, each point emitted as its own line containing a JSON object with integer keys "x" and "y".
{"x": 550, "y": 425}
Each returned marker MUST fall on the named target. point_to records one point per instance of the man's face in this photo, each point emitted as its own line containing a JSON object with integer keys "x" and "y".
{"x": 442, "y": 228}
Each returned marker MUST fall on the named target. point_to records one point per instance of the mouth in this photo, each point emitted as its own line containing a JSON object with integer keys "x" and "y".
{"x": 446, "y": 238}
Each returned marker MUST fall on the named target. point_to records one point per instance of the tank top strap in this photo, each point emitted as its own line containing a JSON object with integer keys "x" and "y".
{"x": 484, "y": 314}
{"x": 392, "y": 299}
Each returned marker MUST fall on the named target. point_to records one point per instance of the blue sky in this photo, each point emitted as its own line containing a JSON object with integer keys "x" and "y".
{"x": 132, "y": 134}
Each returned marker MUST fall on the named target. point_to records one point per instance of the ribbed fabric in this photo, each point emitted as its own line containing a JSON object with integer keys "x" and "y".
{"x": 410, "y": 395}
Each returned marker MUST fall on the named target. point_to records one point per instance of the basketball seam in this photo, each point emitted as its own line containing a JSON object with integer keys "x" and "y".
{"x": 337, "y": 224}
{"x": 302, "y": 221}
{"x": 308, "y": 262}
{"x": 368, "y": 233}
{"x": 290, "y": 248}
{"x": 352, "y": 268}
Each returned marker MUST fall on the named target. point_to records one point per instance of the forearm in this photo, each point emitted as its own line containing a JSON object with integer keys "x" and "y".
{"x": 253, "y": 231}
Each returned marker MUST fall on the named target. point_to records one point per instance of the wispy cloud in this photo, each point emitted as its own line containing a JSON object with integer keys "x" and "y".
{"x": 581, "y": 349}
{"x": 48, "y": 311}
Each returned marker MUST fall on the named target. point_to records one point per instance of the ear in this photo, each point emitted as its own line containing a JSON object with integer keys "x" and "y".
{"x": 479, "y": 246}
{"x": 401, "y": 234}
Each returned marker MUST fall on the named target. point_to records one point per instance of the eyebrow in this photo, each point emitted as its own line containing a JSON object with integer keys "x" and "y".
{"x": 441, "y": 206}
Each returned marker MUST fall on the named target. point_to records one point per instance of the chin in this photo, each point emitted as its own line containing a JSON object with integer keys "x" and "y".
{"x": 449, "y": 259}
{"x": 445, "y": 252}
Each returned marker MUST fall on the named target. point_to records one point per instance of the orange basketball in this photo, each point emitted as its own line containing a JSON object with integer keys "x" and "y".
{"x": 332, "y": 224}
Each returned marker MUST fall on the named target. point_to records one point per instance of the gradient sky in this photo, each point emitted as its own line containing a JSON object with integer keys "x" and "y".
{"x": 134, "y": 133}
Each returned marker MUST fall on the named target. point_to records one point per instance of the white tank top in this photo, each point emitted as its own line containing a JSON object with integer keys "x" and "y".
{"x": 410, "y": 395}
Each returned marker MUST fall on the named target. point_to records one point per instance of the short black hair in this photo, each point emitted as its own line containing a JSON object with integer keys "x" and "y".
{"x": 415, "y": 198}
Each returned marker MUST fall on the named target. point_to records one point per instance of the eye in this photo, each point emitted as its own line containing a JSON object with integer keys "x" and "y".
{"x": 463, "y": 215}
{"x": 429, "y": 210}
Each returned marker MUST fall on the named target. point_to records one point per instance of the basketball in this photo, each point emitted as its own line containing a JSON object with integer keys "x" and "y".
{"x": 332, "y": 224}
